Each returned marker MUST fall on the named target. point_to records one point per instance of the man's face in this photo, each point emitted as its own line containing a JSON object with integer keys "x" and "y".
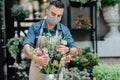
{"x": 54, "y": 11}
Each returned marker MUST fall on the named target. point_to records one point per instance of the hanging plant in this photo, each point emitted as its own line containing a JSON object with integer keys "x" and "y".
{"x": 83, "y": 22}
{"x": 13, "y": 45}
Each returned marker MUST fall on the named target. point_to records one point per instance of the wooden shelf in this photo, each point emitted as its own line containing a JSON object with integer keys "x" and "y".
{"x": 82, "y": 30}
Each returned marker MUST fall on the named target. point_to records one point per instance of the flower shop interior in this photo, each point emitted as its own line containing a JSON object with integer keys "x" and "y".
{"x": 96, "y": 35}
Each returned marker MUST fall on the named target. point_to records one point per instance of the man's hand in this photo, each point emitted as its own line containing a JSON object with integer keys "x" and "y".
{"x": 62, "y": 49}
{"x": 41, "y": 60}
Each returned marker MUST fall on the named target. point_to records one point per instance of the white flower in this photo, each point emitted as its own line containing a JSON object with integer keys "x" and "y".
{"x": 63, "y": 42}
{"x": 45, "y": 50}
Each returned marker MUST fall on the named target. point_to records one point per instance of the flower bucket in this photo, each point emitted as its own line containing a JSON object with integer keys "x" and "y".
{"x": 50, "y": 76}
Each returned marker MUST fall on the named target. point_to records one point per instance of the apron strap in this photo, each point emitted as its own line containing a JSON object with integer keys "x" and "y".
{"x": 56, "y": 34}
{"x": 41, "y": 30}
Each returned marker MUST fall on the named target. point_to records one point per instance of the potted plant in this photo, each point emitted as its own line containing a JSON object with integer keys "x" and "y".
{"x": 106, "y": 72}
{"x": 110, "y": 9}
{"x": 83, "y": 22}
{"x": 86, "y": 59}
{"x": 19, "y": 12}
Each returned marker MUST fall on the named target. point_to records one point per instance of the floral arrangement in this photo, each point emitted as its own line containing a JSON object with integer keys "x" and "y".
{"x": 86, "y": 59}
{"x": 83, "y": 22}
{"x": 48, "y": 49}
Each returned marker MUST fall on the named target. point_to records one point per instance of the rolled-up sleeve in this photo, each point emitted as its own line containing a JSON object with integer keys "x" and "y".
{"x": 67, "y": 34}
{"x": 70, "y": 41}
{"x": 30, "y": 37}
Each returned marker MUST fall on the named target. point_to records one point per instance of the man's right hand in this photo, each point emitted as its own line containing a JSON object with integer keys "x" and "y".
{"x": 41, "y": 60}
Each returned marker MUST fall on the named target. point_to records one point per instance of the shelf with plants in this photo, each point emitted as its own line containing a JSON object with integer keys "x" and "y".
{"x": 82, "y": 18}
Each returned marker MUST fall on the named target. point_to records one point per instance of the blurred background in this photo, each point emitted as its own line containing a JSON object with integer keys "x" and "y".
{"x": 98, "y": 30}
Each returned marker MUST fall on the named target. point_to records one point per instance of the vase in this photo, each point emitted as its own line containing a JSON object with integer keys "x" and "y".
{"x": 50, "y": 76}
{"x": 111, "y": 16}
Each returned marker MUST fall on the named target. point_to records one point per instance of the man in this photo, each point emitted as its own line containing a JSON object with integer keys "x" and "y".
{"x": 54, "y": 14}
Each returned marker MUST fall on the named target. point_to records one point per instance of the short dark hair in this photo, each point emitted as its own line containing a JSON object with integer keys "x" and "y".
{"x": 57, "y": 4}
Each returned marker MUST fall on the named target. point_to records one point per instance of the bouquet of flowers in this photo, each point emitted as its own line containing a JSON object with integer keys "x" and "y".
{"x": 83, "y": 22}
{"x": 48, "y": 49}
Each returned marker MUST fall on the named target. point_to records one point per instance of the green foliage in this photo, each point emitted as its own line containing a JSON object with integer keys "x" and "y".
{"x": 105, "y": 3}
{"x": 85, "y": 59}
{"x": 47, "y": 46}
{"x": 13, "y": 45}
{"x": 107, "y": 72}
{"x": 19, "y": 12}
